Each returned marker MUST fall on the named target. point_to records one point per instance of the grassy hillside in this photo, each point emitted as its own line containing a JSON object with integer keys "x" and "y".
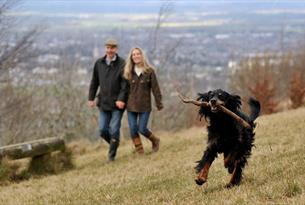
{"x": 275, "y": 174}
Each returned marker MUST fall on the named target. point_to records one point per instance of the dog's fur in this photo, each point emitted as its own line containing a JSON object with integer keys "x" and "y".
{"x": 226, "y": 135}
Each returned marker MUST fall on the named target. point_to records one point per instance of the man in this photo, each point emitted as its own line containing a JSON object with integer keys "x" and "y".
{"x": 112, "y": 96}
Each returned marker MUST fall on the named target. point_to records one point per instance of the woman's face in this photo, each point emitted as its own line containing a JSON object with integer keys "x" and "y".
{"x": 137, "y": 56}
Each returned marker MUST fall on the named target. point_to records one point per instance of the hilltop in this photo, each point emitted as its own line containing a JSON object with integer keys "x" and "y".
{"x": 275, "y": 174}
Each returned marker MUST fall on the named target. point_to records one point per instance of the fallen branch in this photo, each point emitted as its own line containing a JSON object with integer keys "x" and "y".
{"x": 195, "y": 102}
{"x": 222, "y": 108}
{"x": 236, "y": 117}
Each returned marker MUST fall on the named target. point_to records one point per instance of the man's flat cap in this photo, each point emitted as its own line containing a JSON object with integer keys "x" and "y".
{"x": 111, "y": 42}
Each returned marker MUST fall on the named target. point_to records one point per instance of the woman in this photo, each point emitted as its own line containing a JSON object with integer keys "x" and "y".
{"x": 143, "y": 81}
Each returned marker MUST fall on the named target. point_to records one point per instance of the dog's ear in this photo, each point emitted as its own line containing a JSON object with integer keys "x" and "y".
{"x": 203, "y": 96}
{"x": 234, "y": 102}
{"x": 203, "y": 111}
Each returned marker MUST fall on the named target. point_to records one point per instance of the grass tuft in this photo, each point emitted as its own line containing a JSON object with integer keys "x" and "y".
{"x": 4, "y": 170}
{"x": 292, "y": 189}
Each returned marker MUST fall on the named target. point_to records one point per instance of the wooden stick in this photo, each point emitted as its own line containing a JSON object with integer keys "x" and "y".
{"x": 236, "y": 117}
{"x": 195, "y": 102}
{"x": 222, "y": 108}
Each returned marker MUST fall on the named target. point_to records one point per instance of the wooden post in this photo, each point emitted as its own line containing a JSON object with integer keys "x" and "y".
{"x": 32, "y": 148}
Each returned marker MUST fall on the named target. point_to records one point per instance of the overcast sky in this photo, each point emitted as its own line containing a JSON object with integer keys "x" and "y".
{"x": 152, "y": 6}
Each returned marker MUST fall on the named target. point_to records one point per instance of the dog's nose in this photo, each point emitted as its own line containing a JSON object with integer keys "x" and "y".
{"x": 213, "y": 101}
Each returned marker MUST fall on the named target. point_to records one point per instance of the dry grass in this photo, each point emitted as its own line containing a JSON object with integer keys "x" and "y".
{"x": 275, "y": 174}
{"x": 13, "y": 170}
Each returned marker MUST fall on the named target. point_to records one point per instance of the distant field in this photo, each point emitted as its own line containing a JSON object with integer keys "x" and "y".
{"x": 275, "y": 174}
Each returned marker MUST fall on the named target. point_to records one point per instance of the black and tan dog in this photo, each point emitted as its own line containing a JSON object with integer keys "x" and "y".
{"x": 230, "y": 131}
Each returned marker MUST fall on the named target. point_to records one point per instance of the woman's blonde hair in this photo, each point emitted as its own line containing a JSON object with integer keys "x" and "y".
{"x": 130, "y": 64}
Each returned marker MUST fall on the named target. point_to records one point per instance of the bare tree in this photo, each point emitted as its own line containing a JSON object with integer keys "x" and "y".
{"x": 67, "y": 100}
{"x": 273, "y": 79}
{"x": 16, "y": 102}
{"x": 296, "y": 90}
{"x": 17, "y": 51}
{"x": 258, "y": 77}
{"x": 162, "y": 53}
{"x": 164, "y": 12}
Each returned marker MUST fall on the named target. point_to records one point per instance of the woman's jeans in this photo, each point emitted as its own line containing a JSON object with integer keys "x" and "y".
{"x": 138, "y": 123}
{"x": 110, "y": 124}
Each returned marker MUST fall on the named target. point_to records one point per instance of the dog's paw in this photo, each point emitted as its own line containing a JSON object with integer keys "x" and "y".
{"x": 200, "y": 181}
{"x": 229, "y": 185}
{"x": 230, "y": 169}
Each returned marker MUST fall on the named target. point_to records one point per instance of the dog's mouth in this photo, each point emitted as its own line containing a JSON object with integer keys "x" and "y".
{"x": 214, "y": 105}
{"x": 214, "y": 108}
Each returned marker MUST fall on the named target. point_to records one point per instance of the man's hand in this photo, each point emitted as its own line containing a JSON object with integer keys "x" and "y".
{"x": 160, "y": 107}
{"x": 120, "y": 104}
{"x": 91, "y": 103}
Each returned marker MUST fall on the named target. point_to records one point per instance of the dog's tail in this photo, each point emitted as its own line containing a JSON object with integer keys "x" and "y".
{"x": 255, "y": 108}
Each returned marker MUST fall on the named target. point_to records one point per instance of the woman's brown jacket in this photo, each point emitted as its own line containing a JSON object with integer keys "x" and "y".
{"x": 139, "y": 98}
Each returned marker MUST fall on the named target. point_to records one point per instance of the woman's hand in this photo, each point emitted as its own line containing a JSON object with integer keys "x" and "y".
{"x": 160, "y": 107}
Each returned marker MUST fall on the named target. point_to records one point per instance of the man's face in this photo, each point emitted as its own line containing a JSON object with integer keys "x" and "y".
{"x": 111, "y": 51}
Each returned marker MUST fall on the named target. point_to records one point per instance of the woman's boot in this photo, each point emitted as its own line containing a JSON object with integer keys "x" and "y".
{"x": 138, "y": 144}
{"x": 155, "y": 142}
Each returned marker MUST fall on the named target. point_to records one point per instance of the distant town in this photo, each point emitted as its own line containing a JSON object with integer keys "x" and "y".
{"x": 205, "y": 46}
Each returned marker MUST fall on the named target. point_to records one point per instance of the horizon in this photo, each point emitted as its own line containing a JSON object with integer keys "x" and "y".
{"x": 153, "y": 6}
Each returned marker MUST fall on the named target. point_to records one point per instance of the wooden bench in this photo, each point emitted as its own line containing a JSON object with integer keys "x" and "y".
{"x": 32, "y": 148}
